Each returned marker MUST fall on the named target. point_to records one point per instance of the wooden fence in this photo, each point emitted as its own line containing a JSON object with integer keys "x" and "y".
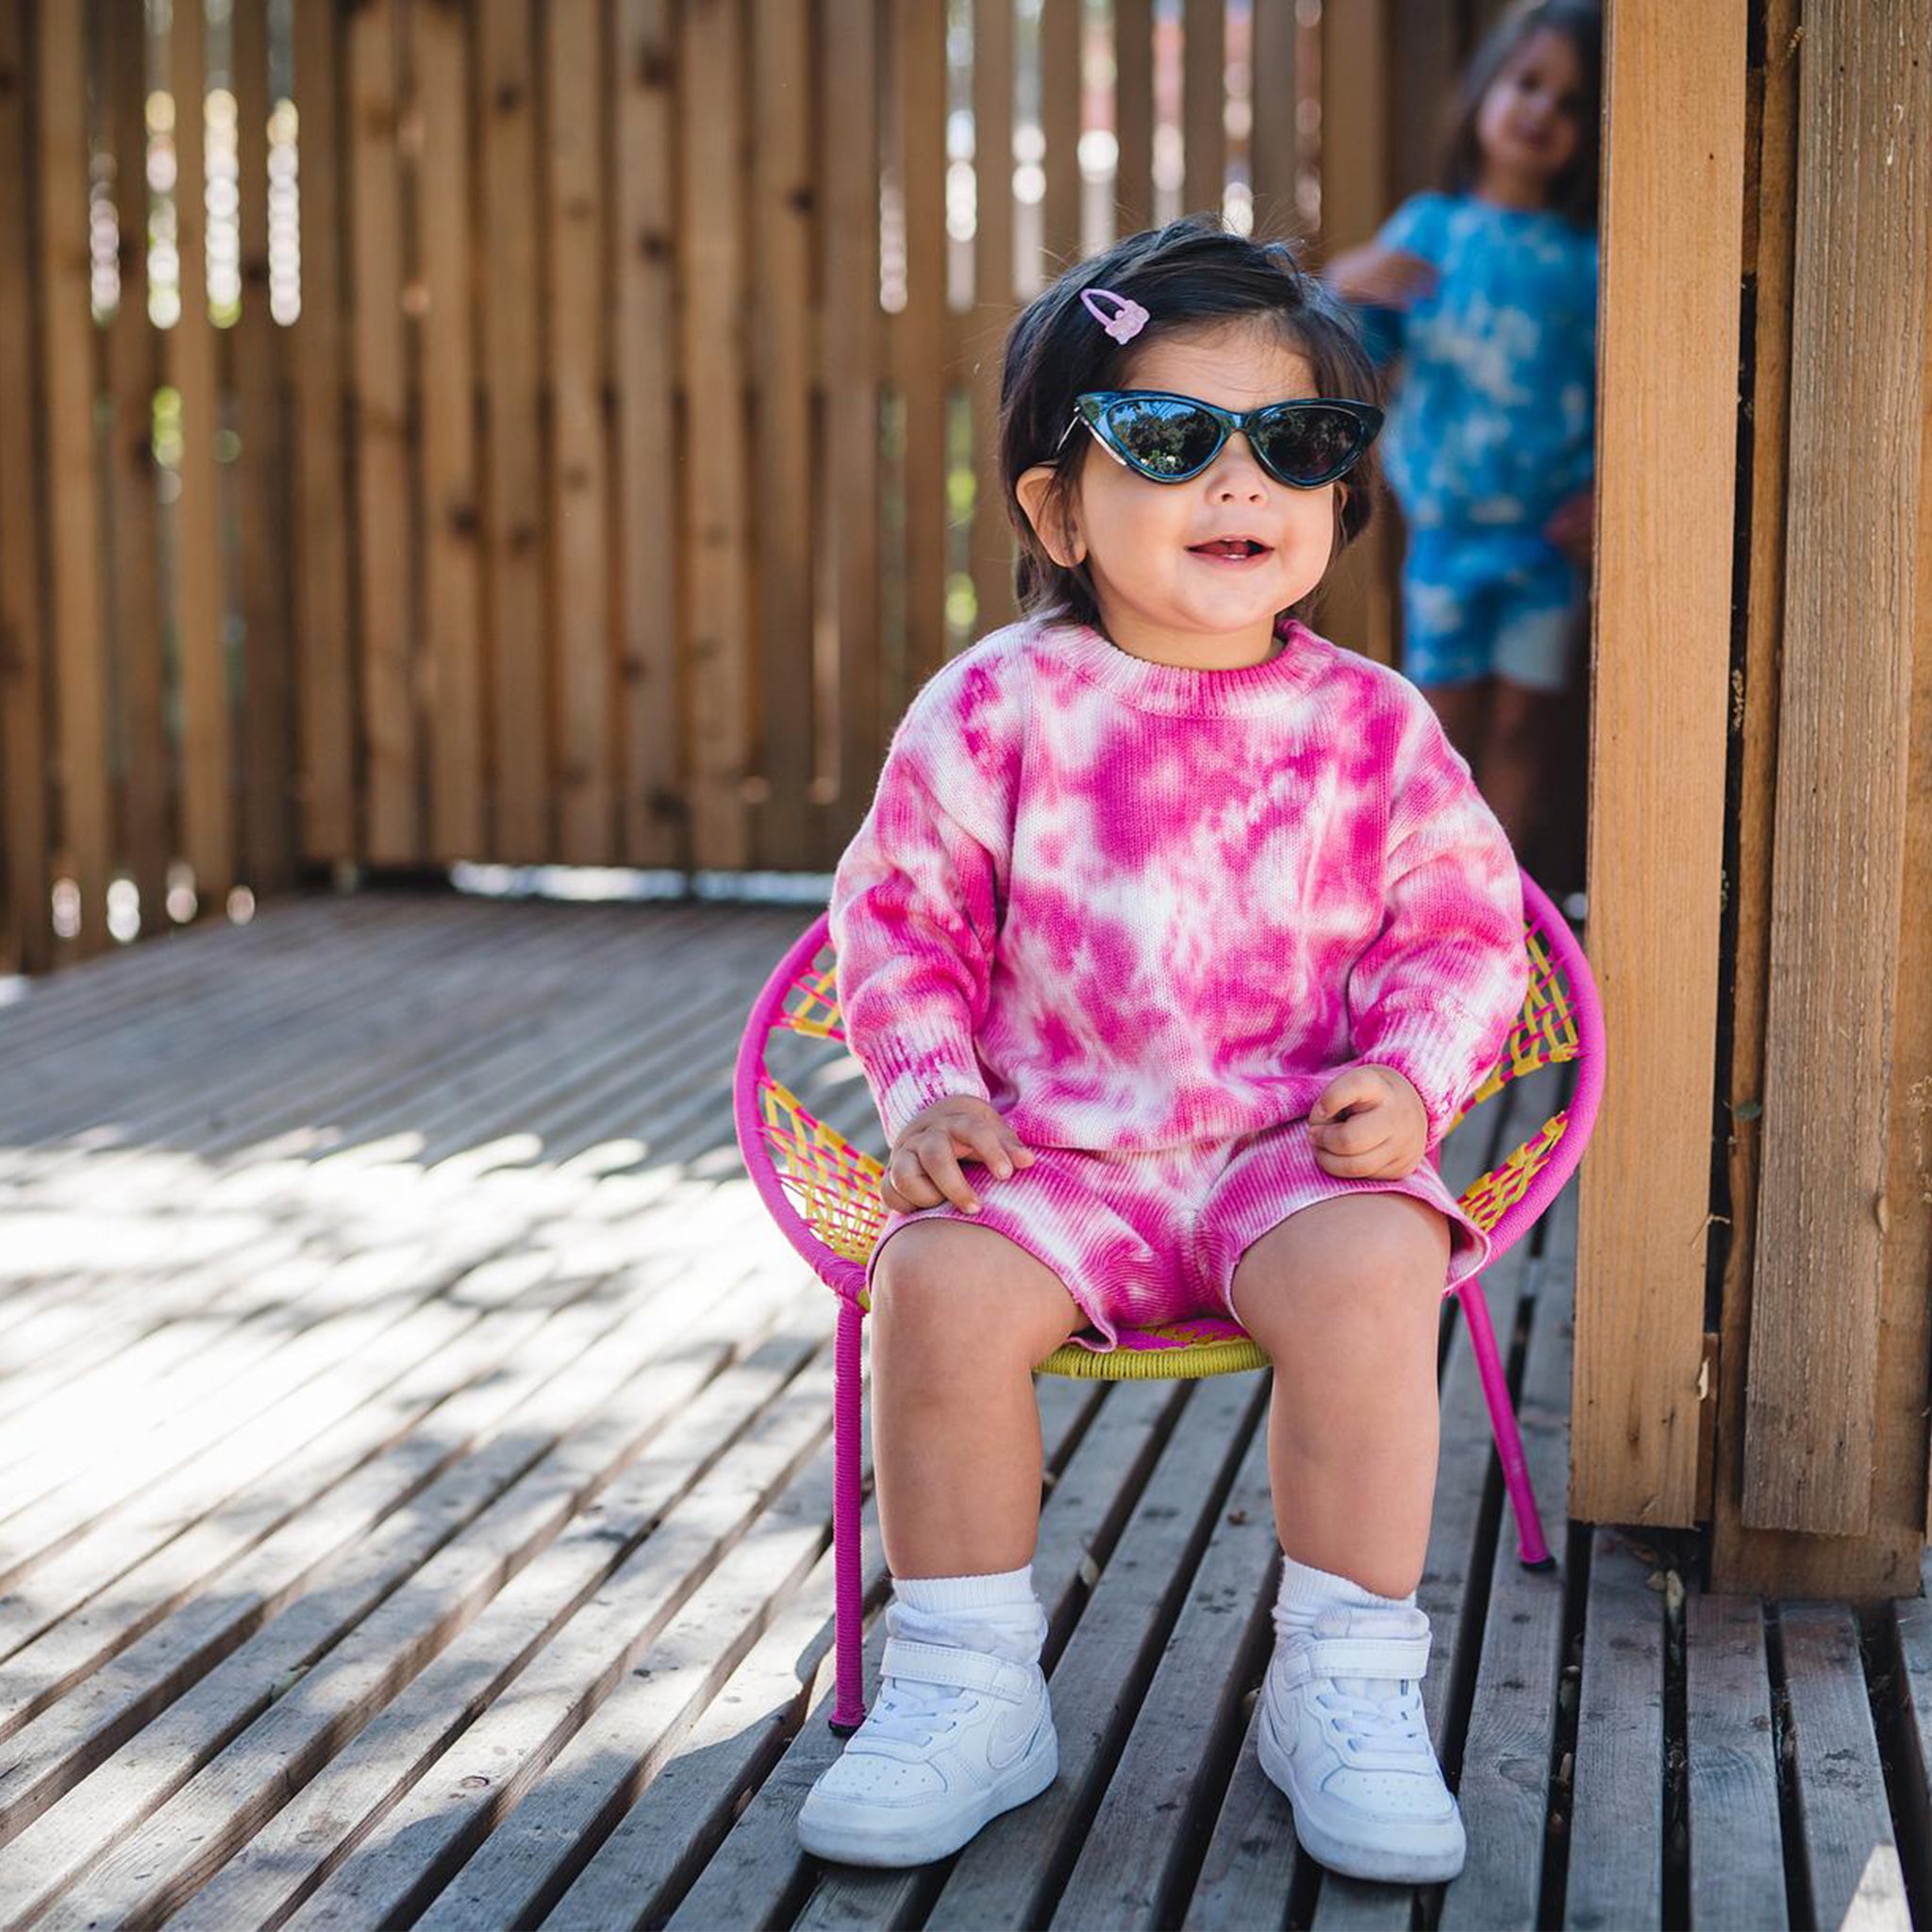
{"x": 578, "y": 446}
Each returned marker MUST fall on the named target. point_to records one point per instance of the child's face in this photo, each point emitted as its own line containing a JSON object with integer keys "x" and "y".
{"x": 1530, "y": 121}
{"x": 1160, "y": 596}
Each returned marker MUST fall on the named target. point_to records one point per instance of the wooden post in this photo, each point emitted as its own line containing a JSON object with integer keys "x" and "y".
{"x": 1666, "y": 491}
{"x": 1834, "y": 1434}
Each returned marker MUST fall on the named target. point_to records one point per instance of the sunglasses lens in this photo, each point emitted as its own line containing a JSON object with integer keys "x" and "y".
{"x": 1161, "y": 436}
{"x": 1307, "y": 444}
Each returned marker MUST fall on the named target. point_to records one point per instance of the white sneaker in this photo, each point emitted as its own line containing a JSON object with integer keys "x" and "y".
{"x": 954, "y": 1738}
{"x": 1343, "y": 1733}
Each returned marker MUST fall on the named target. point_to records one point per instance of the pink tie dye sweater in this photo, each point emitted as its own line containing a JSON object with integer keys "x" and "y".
{"x": 1134, "y": 905}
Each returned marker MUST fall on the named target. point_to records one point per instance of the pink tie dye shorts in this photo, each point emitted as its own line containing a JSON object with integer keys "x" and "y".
{"x": 1140, "y": 1240}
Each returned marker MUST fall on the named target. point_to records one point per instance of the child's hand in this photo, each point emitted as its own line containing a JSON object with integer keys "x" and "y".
{"x": 1370, "y": 1124}
{"x": 1380, "y": 277}
{"x": 1571, "y": 526}
{"x": 924, "y": 1167}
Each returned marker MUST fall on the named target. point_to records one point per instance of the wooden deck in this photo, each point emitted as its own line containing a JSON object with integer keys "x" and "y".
{"x": 415, "y": 1474}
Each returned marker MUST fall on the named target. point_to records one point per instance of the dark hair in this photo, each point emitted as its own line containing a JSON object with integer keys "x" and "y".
{"x": 1192, "y": 273}
{"x": 1574, "y": 194}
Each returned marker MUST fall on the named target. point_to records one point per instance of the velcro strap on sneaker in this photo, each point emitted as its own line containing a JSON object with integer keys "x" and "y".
{"x": 1358, "y": 1657}
{"x": 943, "y": 1664}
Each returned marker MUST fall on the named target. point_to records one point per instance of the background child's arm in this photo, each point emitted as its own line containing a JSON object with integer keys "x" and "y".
{"x": 1386, "y": 276}
{"x": 1435, "y": 994}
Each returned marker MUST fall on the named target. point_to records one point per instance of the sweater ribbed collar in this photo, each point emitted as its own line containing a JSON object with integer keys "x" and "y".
{"x": 1182, "y": 692}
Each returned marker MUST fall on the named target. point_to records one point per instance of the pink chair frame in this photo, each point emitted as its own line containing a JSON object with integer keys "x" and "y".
{"x": 846, "y": 1277}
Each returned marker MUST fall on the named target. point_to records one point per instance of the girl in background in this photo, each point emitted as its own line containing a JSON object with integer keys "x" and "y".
{"x": 1483, "y": 295}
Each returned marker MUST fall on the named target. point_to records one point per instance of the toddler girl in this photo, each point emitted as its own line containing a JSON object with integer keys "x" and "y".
{"x": 1487, "y": 295}
{"x": 1172, "y": 939}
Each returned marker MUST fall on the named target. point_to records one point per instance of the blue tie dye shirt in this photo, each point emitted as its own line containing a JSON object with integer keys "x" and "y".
{"x": 1494, "y": 417}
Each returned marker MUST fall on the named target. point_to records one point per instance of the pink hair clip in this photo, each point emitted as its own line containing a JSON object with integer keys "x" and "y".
{"x": 1127, "y": 320}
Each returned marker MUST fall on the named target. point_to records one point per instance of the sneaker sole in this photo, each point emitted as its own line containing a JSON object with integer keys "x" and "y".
{"x": 1437, "y": 1857}
{"x": 854, "y": 1836}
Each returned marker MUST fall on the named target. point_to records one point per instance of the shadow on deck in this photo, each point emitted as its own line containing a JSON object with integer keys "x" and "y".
{"x": 416, "y": 1463}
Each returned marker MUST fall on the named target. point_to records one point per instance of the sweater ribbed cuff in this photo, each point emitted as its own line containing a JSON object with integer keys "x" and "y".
{"x": 1431, "y": 1051}
{"x": 909, "y": 1072}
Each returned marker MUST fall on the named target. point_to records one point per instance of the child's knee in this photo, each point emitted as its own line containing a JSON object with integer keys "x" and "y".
{"x": 971, "y": 1293}
{"x": 1369, "y": 1256}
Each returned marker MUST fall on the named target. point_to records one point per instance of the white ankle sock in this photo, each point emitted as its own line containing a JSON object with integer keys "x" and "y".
{"x": 997, "y": 1614}
{"x": 1306, "y": 1590}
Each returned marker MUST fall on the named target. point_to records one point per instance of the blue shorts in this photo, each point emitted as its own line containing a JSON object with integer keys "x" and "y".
{"x": 1481, "y": 601}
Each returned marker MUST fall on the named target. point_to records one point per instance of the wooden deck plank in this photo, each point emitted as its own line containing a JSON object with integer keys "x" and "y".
{"x": 1850, "y": 1851}
{"x": 274, "y": 1709}
{"x": 1504, "y": 1787}
{"x": 170, "y": 1511}
{"x": 1737, "y": 1843}
{"x": 1007, "y": 1875}
{"x": 647, "y": 1862}
{"x": 1616, "y": 1827}
{"x": 1126, "y": 1874}
{"x": 285, "y": 1017}
{"x": 350, "y": 1628}
{"x": 1458, "y": 1548}
{"x": 760, "y": 1863}
{"x": 553, "y": 1621}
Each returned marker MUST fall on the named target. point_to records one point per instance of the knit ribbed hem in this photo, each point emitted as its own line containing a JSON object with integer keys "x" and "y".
{"x": 1431, "y": 1051}
{"x": 908, "y": 1072}
{"x": 939, "y": 1594}
{"x": 1179, "y": 690}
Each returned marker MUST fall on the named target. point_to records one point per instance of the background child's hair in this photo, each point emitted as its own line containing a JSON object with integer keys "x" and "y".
{"x": 1192, "y": 273}
{"x": 1574, "y": 194}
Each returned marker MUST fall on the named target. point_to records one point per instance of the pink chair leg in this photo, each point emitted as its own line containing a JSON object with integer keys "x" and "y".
{"x": 1531, "y": 1549}
{"x": 848, "y": 1709}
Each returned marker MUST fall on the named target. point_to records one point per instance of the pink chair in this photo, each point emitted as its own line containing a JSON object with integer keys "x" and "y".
{"x": 823, "y": 1192}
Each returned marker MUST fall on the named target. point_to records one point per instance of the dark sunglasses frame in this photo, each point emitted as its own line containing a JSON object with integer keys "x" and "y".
{"x": 1094, "y": 409}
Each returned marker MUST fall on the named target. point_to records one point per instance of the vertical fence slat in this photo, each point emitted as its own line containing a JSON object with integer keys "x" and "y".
{"x": 849, "y": 167}
{"x": 1672, "y": 201}
{"x": 451, "y": 620}
{"x": 378, "y": 388}
{"x": 788, "y": 813}
{"x": 68, "y": 345}
{"x": 1425, "y": 54}
{"x": 514, "y": 519}
{"x": 992, "y": 307}
{"x": 1275, "y": 142}
{"x": 1060, "y": 91}
{"x": 1204, "y": 97}
{"x": 924, "y": 332}
{"x": 207, "y": 718}
{"x": 579, "y": 471}
{"x": 1357, "y": 605}
{"x": 26, "y": 940}
{"x": 326, "y": 785}
{"x": 713, "y": 351}
{"x": 642, "y": 227}
{"x": 261, "y": 486}
{"x": 1133, "y": 113}
{"x": 1844, "y": 716}
{"x": 147, "y": 802}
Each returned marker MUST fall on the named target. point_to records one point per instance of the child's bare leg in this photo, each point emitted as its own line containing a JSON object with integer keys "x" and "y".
{"x": 1345, "y": 1298}
{"x": 959, "y": 1317}
{"x": 1522, "y": 724}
